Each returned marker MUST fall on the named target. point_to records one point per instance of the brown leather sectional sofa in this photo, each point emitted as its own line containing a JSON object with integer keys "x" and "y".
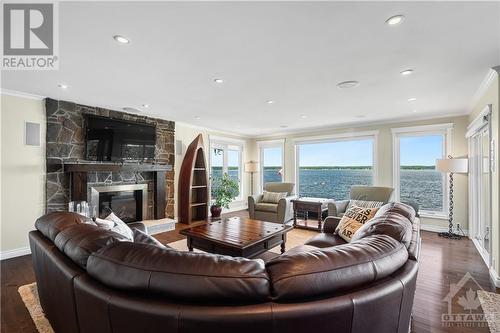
{"x": 91, "y": 280}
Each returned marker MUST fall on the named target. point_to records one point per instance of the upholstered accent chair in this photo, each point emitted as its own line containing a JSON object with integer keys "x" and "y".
{"x": 362, "y": 193}
{"x": 281, "y": 212}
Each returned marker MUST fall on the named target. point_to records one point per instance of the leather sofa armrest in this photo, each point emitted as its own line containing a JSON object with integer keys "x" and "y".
{"x": 285, "y": 210}
{"x": 330, "y": 224}
{"x": 252, "y": 200}
{"x": 337, "y": 207}
{"x": 138, "y": 225}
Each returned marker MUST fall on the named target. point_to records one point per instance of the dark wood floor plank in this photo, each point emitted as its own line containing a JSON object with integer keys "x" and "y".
{"x": 443, "y": 262}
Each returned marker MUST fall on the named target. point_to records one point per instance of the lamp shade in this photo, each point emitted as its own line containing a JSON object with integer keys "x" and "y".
{"x": 252, "y": 166}
{"x": 455, "y": 165}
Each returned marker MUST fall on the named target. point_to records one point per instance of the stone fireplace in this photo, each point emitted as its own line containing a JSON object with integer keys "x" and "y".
{"x": 130, "y": 202}
{"x": 70, "y": 177}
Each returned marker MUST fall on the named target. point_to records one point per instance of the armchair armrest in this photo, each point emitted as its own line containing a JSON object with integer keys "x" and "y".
{"x": 252, "y": 200}
{"x": 285, "y": 211}
{"x": 337, "y": 207}
{"x": 330, "y": 224}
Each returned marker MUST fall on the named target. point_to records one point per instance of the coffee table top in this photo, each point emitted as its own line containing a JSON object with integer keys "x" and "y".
{"x": 237, "y": 231}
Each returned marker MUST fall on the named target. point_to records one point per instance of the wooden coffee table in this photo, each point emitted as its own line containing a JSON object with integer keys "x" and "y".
{"x": 237, "y": 237}
{"x": 306, "y": 205}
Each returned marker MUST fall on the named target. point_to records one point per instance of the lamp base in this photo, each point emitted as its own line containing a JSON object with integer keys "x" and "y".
{"x": 449, "y": 235}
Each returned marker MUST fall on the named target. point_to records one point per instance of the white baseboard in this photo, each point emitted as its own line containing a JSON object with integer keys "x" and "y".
{"x": 435, "y": 228}
{"x": 15, "y": 253}
{"x": 494, "y": 277}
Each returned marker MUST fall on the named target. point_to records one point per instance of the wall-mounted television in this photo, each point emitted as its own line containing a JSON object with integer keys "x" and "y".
{"x": 109, "y": 139}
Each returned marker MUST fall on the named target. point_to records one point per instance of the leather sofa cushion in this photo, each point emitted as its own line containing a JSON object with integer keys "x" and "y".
{"x": 325, "y": 240}
{"x": 397, "y": 208}
{"x": 180, "y": 275}
{"x": 79, "y": 241}
{"x": 394, "y": 225}
{"x": 322, "y": 272}
{"x": 266, "y": 207}
{"x": 51, "y": 224}
{"x": 414, "y": 248}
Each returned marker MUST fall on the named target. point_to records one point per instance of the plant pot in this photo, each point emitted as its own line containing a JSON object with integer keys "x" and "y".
{"x": 215, "y": 210}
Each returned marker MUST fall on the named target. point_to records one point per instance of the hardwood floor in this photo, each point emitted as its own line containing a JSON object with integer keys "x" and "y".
{"x": 443, "y": 262}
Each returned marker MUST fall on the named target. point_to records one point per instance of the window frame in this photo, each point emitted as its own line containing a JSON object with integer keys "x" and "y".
{"x": 341, "y": 137}
{"x": 418, "y": 131}
{"x": 227, "y": 144}
{"x": 270, "y": 144}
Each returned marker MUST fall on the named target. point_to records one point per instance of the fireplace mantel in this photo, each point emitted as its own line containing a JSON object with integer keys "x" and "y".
{"x": 78, "y": 177}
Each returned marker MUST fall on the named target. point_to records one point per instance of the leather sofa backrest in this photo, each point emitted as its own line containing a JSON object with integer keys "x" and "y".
{"x": 79, "y": 241}
{"x": 394, "y": 225}
{"x": 289, "y": 188}
{"x": 397, "y": 208}
{"x": 180, "y": 275}
{"x": 322, "y": 272}
{"x": 51, "y": 224}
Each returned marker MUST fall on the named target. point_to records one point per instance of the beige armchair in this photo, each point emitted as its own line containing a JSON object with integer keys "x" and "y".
{"x": 281, "y": 212}
{"x": 360, "y": 192}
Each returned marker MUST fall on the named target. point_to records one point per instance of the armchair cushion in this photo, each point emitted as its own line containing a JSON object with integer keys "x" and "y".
{"x": 365, "y": 204}
{"x": 273, "y": 197}
{"x": 266, "y": 207}
{"x": 280, "y": 187}
{"x": 337, "y": 208}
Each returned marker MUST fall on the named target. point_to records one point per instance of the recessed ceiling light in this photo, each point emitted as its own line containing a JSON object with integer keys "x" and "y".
{"x": 407, "y": 72}
{"x": 145, "y": 106}
{"x": 197, "y": 117}
{"x": 414, "y": 110}
{"x": 219, "y": 81}
{"x": 121, "y": 39}
{"x": 395, "y": 20}
{"x": 360, "y": 116}
{"x": 412, "y": 99}
{"x": 348, "y": 84}
{"x": 131, "y": 109}
{"x": 62, "y": 86}
{"x": 270, "y": 101}
{"x": 283, "y": 126}
{"x": 303, "y": 116}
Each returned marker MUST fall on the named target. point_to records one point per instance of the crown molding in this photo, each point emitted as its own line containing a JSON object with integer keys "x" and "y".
{"x": 485, "y": 84}
{"x": 22, "y": 94}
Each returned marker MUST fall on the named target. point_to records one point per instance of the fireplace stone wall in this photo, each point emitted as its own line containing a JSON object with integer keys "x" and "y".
{"x": 65, "y": 141}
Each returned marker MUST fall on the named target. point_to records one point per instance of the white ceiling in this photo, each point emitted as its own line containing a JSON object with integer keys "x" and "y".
{"x": 291, "y": 52}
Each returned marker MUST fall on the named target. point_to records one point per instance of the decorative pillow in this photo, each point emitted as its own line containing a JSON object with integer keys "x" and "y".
{"x": 273, "y": 197}
{"x": 120, "y": 227}
{"x": 144, "y": 238}
{"x": 353, "y": 219}
{"x": 105, "y": 224}
{"x": 365, "y": 204}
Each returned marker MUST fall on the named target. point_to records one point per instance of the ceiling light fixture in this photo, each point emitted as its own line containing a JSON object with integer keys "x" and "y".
{"x": 270, "y": 101}
{"x": 348, "y": 84}
{"x": 62, "y": 86}
{"x": 414, "y": 110}
{"x": 395, "y": 20}
{"x": 121, "y": 39}
{"x": 407, "y": 72}
{"x": 197, "y": 117}
{"x": 303, "y": 116}
{"x": 219, "y": 81}
{"x": 412, "y": 99}
{"x": 284, "y": 126}
{"x": 145, "y": 106}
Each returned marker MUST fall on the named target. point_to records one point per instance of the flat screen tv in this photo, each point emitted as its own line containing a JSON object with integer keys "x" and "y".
{"x": 118, "y": 140}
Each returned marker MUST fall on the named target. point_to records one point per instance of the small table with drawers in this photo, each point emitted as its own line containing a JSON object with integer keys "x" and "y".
{"x": 306, "y": 205}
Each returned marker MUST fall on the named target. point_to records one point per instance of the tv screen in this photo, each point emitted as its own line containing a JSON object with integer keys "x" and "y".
{"x": 118, "y": 140}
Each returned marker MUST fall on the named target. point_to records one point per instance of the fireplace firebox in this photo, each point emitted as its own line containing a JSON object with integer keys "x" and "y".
{"x": 129, "y": 202}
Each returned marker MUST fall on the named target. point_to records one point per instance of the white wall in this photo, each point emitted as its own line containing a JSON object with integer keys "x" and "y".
{"x": 22, "y": 173}
{"x": 385, "y": 162}
{"x": 187, "y": 133}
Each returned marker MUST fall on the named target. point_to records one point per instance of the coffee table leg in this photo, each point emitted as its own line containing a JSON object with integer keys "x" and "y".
{"x": 295, "y": 217}
{"x": 190, "y": 244}
{"x": 283, "y": 238}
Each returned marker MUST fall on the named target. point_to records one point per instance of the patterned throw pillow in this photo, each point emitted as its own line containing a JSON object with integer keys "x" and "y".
{"x": 142, "y": 237}
{"x": 273, "y": 197}
{"x": 364, "y": 203}
{"x": 120, "y": 227}
{"x": 353, "y": 219}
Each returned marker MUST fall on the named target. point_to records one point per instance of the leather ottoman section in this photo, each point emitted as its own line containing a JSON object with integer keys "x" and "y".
{"x": 376, "y": 309}
{"x": 252, "y": 318}
{"x": 319, "y": 316}
{"x": 325, "y": 240}
{"x": 55, "y": 275}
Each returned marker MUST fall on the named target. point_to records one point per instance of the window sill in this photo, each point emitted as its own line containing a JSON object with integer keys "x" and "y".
{"x": 437, "y": 216}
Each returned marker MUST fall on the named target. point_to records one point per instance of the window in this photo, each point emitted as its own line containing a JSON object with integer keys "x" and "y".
{"x": 225, "y": 157}
{"x": 271, "y": 161}
{"x": 415, "y": 177}
{"x": 328, "y": 168}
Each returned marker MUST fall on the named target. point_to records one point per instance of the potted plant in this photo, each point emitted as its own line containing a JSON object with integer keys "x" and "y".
{"x": 224, "y": 190}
